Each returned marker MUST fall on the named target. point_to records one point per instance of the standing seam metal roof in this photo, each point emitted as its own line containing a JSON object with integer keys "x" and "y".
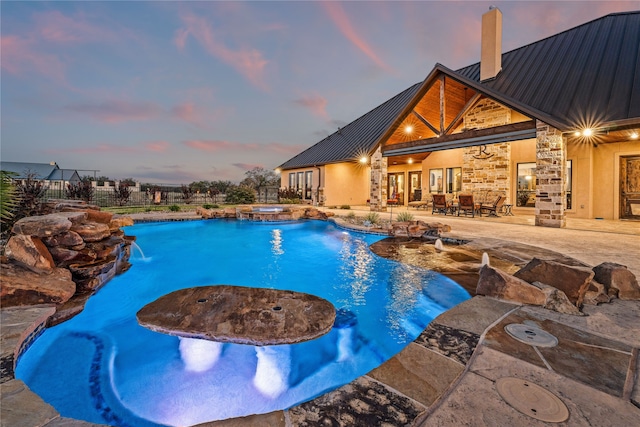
{"x": 587, "y": 75}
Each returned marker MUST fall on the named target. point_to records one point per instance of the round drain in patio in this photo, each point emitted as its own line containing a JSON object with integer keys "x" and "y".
{"x": 532, "y": 400}
{"x": 531, "y": 335}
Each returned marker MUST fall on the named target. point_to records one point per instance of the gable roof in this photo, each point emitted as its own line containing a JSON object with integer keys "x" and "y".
{"x": 585, "y": 76}
{"x": 22, "y": 169}
{"x": 355, "y": 139}
{"x": 587, "y": 73}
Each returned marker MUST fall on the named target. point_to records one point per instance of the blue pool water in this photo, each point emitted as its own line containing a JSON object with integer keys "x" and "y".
{"x": 102, "y": 367}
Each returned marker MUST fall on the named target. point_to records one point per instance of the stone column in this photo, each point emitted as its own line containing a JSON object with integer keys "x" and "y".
{"x": 551, "y": 170}
{"x": 378, "y": 187}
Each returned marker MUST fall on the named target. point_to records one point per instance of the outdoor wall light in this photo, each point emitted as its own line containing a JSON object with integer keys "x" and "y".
{"x": 408, "y": 129}
{"x": 277, "y": 170}
{"x": 634, "y": 135}
{"x": 585, "y": 132}
{"x": 410, "y": 161}
{"x": 363, "y": 159}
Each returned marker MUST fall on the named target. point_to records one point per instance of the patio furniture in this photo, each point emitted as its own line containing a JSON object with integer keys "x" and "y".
{"x": 506, "y": 211}
{"x": 466, "y": 205}
{"x": 493, "y": 208}
{"x": 440, "y": 204}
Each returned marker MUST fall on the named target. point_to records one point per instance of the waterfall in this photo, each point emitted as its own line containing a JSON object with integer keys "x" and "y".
{"x": 485, "y": 259}
{"x": 438, "y": 245}
{"x": 136, "y": 246}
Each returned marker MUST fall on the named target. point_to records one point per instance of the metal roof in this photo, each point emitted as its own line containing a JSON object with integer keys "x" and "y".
{"x": 22, "y": 169}
{"x": 357, "y": 138}
{"x": 585, "y": 76}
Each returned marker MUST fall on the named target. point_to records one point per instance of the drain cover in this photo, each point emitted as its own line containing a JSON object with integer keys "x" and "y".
{"x": 532, "y": 400}
{"x": 531, "y": 335}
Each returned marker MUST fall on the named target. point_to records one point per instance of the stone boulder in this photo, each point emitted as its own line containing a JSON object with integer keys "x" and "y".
{"x": 120, "y": 221}
{"x": 617, "y": 279}
{"x": 92, "y": 231}
{"x": 70, "y": 239}
{"x": 47, "y": 225}
{"x": 21, "y": 286}
{"x": 556, "y": 300}
{"x": 92, "y": 276}
{"x": 572, "y": 280}
{"x": 596, "y": 294}
{"x": 498, "y": 284}
{"x": 65, "y": 257}
{"x": 30, "y": 253}
{"x": 418, "y": 229}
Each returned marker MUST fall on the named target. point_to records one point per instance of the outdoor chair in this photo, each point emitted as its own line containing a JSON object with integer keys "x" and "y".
{"x": 440, "y": 204}
{"x": 493, "y": 208}
{"x": 466, "y": 205}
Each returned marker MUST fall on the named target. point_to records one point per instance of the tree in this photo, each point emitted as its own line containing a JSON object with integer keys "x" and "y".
{"x": 82, "y": 190}
{"x": 260, "y": 177}
{"x": 187, "y": 193}
{"x": 240, "y": 195}
{"x": 30, "y": 193}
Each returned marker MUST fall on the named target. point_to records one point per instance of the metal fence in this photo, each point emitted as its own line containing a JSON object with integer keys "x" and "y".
{"x": 163, "y": 196}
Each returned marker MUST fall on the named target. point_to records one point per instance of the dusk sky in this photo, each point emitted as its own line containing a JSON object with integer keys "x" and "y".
{"x": 176, "y": 92}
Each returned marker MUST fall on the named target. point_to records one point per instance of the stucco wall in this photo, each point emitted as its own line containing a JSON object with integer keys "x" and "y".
{"x": 346, "y": 184}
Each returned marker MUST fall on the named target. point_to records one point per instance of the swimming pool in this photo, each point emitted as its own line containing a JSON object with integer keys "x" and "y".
{"x": 102, "y": 367}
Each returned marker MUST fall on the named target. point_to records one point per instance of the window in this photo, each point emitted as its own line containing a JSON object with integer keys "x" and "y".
{"x": 308, "y": 184}
{"x": 395, "y": 190}
{"x": 415, "y": 186}
{"x": 454, "y": 180}
{"x": 435, "y": 180}
{"x": 292, "y": 180}
{"x": 526, "y": 192}
{"x": 568, "y": 184}
{"x": 300, "y": 183}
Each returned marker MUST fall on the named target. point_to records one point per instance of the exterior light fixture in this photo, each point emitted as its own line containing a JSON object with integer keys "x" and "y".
{"x": 634, "y": 135}
{"x": 363, "y": 160}
{"x": 587, "y": 132}
{"x": 410, "y": 161}
{"x": 408, "y": 129}
{"x": 277, "y": 170}
{"x": 577, "y": 133}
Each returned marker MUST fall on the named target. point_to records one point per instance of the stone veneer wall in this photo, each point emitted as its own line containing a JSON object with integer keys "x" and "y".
{"x": 378, "y": 188}
{"x": 486, "y": 169}
{"x": 551, "y": 162}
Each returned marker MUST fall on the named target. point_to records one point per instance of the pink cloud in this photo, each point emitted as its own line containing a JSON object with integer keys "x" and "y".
{"x": 247, "y": 166}
{"x": 217, "y": 145}
{"x": 247, "y": 61}
{"x": 117, "y": 111}
{"x": 340, "y": 19}
{"x": 53, "y": 26}
{"x": 316, "y": 103}
{"x": 98, "y": 149}
{"x": 19, "y": 55}
{"x": 157, "y": 146}
{"x": 190, "y": 113}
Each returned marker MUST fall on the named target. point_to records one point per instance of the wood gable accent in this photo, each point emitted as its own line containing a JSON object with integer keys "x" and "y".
{"x": 439, "y": 111}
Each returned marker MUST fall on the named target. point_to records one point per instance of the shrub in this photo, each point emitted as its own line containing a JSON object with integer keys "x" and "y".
{"x": 404, "y": 216}
{"x": 174, "y": 208}
{"x": 122, "y": 193}
{"x": 82, "y": 190}
{"x": 351, "y": 215}
{"x": 30, "y": 193}
{"x": 208, "y": 206}
{"x": 240, "y": 195}
{"x": 289, "y": 195}
{"x": 372, "y": 217}
{"x": 345, "y": 207}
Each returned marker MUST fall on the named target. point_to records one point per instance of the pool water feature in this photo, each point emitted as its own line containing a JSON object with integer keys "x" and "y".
{"x": 102, "y": 367}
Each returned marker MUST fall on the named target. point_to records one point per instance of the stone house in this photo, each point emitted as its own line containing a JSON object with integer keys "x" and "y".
{"x": 552, "y": 125}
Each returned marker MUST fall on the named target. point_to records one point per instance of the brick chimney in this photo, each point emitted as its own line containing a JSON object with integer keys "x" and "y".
{"x": 491, "y": 48}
